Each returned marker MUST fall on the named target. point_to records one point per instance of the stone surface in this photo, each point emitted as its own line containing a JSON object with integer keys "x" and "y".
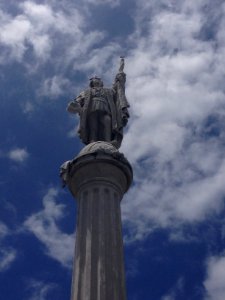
{"x": 98, "y": 177}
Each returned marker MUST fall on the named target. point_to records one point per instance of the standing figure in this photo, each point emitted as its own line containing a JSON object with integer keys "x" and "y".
{"x": 103, "y": 111}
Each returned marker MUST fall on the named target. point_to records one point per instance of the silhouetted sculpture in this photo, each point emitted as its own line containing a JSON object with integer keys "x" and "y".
{"x": 103, "y": 111}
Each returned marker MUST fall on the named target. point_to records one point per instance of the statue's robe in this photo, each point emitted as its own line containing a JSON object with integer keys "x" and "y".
{"x": 115, "y": 105}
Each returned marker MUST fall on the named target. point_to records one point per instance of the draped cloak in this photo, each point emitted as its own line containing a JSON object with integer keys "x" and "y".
{"x": 116, "y": 104}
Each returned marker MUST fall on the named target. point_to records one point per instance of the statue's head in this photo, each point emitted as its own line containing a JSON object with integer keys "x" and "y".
{"x": 96, "y": 82}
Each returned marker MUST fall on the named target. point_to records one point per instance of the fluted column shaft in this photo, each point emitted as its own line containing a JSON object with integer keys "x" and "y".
{"x": 98, "y": 186}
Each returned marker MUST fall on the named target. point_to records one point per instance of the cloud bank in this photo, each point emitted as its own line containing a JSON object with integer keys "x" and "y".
{"x": 175, "y": 140}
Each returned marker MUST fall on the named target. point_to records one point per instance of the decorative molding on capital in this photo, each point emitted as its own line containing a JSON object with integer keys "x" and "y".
{"x": 97, "y": 161}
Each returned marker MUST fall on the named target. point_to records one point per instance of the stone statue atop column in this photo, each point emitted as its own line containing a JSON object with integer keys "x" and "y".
{"x": 103, "y": 111}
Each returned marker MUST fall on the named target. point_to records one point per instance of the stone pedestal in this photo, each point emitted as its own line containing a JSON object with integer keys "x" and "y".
{"x": 98, "y": 179}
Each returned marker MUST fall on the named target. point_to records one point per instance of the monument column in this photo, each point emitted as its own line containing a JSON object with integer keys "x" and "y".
{"x": 98, "y": 178}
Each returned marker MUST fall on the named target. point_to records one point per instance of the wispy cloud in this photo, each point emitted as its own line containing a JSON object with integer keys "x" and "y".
{"x": 3, "y": 230}
{"x": 27, "y": 107}
{"x": 18, "y": 155}
{"x": 168, "y": 297}
{"x": 7, "y": 254}
{"x": 40, "y": 290}
{"x": 215, "y": 281}
{"x": 54, "y": 87}
{"x": 177, "y": 289}
{"x": 43, "y": 225}
{"x": 112, "y": 3}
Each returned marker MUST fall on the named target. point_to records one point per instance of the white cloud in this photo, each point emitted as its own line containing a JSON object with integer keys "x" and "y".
{"x": 44, "y": 226}
{"x": 44, "y": 28}
{"x": 18, "y": 155}
{"x": 100, "y": 60}
{"x": 40, "y": 290}
{"x": 54, "y": 87}
{"x": 27, "y": 107}
{"x": 28, "y": 29}
{"x": 215, "y": 281}
{"x": 41, "y": 14}
{"x": 169, "y": 297}
{"x": 13, "y": 35}
{"x": 7, "y": 254}
{"x": 73, "y": 133}
{"x": 112, "y": 3}
{"x": 174, "y": 84}
{"x": 3, "y": 230}
{"x": 178, "y": 287}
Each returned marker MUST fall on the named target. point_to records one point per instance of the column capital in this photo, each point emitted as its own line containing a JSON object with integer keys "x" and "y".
{"x": 98, "y": 162}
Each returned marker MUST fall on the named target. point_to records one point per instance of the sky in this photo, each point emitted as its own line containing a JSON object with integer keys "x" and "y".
{"x": 173, "y": 215}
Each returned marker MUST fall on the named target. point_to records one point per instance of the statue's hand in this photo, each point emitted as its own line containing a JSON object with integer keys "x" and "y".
{"x": 121, "y": 77}
{"x": 124, "y": 121}
{"x": 125, "y": 116}
{"x": 74, "y": 108}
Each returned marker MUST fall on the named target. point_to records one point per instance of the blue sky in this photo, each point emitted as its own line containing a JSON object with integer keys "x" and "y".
{"x": 173, "y": 215}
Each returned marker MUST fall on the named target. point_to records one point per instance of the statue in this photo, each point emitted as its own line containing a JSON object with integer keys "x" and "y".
{"x": 103, "y": 111}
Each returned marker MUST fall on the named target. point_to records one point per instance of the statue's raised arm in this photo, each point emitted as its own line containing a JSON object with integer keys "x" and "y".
{"x": 119, "y": 87}
{"x": 122, "y": 63}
